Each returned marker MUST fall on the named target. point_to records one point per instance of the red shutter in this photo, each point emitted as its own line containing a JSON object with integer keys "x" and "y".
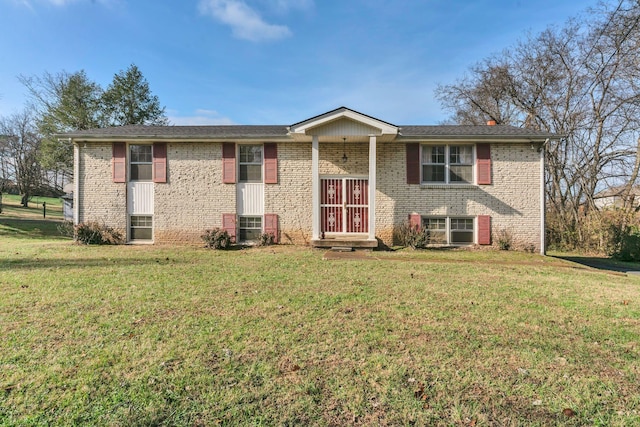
{"x": 413, "y": 163}
{"x": 119, "y": 162}
{"x": 415, "y": 221}
{"x": 484, "y": 230}
{"x": 159, "y": 162}
{"x": 229, "y": 225}
{"x": 483, "y": 163}
{"x": 271, "y": 163}
{"x": 228, "y": 163}
{"x": 271, "y": 226}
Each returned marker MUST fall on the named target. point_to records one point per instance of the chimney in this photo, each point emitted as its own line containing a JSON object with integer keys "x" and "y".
{"x": 491, "y": 123}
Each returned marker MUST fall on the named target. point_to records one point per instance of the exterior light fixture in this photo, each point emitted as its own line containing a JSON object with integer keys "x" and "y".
{"x": 344, "y": 151}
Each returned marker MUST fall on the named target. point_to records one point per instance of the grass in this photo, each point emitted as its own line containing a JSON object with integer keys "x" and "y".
{"x": 133, "y": 335}
{"x": 11, "y": 208}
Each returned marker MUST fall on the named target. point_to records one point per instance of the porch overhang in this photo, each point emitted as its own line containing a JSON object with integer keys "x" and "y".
{"x": 343, "y": 124}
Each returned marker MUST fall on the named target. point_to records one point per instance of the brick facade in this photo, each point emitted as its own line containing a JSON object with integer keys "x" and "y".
{"x": 99, "y": 198}
{"x": 194, "y": 198}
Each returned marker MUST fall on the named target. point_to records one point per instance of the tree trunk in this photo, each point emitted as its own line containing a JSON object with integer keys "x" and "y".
{"x": 24, "y": 200}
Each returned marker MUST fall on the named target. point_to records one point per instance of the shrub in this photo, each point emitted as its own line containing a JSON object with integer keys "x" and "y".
{"x": 504, "y": 239}
{"x": 66, "y": 229}
{"x": 625, "y": 243}
{"x": 94, "y": 233}
{"x": 216, "y": 239}
{"x": 406, "y": 235}
{"x": 266, "y": 239}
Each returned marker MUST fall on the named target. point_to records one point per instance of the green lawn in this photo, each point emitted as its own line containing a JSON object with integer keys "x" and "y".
{"x": 142, "y": 335}
{"x": 11, "y": 208}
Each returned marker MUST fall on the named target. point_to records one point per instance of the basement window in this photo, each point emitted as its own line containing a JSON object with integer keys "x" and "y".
{"x": 250, "y": 228}
{"x": 141, "y": 227}
{"x": 449, "y": 231}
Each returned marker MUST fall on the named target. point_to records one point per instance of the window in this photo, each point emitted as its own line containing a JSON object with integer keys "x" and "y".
{"x": 436, "y": 229}
{"x": 141, "y": 227}
{"x": 141, "y": 162}
{"x": 449, "y": 231}
{"x": 250, "y": 228}
{"x": 250, "y": 163}
{"x": 461, "y": 163}
{"x": 447, "y": 163}
{"x": 461, "y": 231}
{"x": 433, "y": 164}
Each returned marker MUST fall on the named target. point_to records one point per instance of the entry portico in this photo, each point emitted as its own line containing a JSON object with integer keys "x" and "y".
{"x": 343, "y": 206}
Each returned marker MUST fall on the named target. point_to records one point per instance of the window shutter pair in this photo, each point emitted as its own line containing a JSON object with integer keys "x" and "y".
{"x": 229, "y": 224}
{"x": 119, "y": 162}
{"x": 483, "y": 163}
{"x": 270, "y": 163}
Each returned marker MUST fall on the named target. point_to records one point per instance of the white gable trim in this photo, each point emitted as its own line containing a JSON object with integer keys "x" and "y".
{"x": 305, "y": 127}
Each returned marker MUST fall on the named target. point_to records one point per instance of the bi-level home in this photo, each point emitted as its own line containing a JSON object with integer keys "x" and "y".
{"x": 339, "y": 178}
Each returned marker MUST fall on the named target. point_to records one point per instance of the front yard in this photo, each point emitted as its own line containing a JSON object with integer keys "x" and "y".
{"x": 132, "y": 335}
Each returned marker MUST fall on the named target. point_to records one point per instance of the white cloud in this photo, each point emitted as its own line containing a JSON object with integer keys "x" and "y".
{"x": 245, "y": 22}
{"x": 200, "y": 117}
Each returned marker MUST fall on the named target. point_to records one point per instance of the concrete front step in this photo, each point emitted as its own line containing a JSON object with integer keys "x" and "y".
{"x": 344, "y": 243}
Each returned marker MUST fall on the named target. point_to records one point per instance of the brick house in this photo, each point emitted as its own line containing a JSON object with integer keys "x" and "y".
{"x": 340, "y": 178}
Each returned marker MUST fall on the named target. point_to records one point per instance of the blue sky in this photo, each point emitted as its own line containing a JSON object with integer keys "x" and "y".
{"x": 269, "y": 61}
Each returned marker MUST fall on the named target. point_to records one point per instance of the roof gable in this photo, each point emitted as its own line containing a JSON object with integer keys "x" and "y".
{"x": 343, "y": 120}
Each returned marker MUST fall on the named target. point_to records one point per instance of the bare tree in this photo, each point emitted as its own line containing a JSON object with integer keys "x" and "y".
{"x": 580, "y": 81}
{"x": 19, "y": 153}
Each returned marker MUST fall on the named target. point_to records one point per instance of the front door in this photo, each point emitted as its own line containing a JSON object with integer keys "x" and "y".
{"x": 344, "y": 205}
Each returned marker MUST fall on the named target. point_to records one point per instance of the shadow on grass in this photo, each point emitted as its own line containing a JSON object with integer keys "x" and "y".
{"x": 602, "y": 263}
{"x": 45, "y": 264}
{"x": 30, "y": 228}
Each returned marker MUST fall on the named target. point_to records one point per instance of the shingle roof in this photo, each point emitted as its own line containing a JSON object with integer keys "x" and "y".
{"x": 465, "y": 130}
{"x": 222, "y": 131}
{"x": 281, "y": 131}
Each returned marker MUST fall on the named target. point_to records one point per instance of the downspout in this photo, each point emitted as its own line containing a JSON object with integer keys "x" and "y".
{"x": 76, "y": 182}
{"x": 543, "y": 210}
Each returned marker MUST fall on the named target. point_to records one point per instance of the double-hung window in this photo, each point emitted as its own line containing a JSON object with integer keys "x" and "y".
{"x": 447, "y": 164}
{"x": 250, "y": 228}
{"x": 250, "y": 163}
{"x": 461, "y": 231}
{"x": 436, "y": 229}
{"x": 141, "y": 162}
{"x": 449, "y": 230}
{"x": 141, "y": 227}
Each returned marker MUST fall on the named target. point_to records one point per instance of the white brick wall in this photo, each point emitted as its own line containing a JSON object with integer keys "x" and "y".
{"x": 194, "y": 197}
{"x": 512, "y": 200}
{"x": 100, "y": 199}
{"x": 290, "y": 198}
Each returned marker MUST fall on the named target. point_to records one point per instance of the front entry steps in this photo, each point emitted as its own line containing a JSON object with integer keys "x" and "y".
{"x": 344, "y": 243}
{"x": 342, "y": 248}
